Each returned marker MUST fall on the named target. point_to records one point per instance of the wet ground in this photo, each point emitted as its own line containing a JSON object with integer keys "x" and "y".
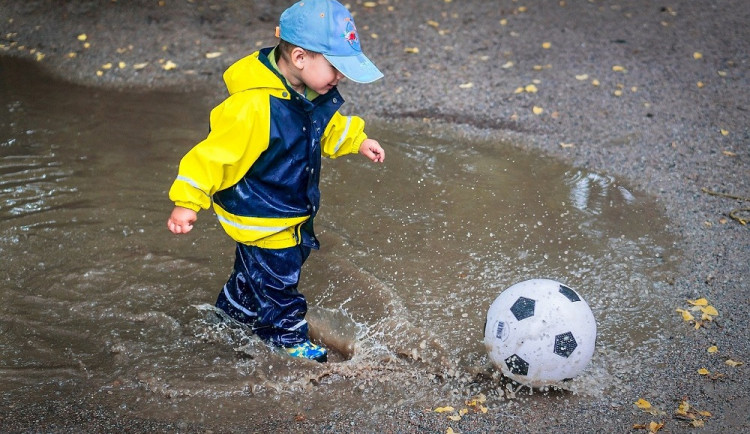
{"x": 105, "y": 317}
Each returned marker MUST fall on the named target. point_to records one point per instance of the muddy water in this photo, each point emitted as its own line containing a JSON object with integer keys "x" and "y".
{"x": 99, "y": 303}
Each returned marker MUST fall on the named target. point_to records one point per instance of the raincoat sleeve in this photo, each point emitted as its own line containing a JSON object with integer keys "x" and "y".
{"x": 239, "y": 134}
{"x": 343, "y": 135}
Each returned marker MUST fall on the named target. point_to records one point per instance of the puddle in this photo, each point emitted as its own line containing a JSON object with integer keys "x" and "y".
{"x": 99, "y": 302}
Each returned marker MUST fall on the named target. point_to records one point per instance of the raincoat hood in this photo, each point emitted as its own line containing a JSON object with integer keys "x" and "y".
{"x": 252, "y": 72}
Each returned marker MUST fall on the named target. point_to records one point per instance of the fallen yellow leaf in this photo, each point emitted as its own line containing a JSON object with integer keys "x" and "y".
{"x": 546, "y": 45}
{"x": 213, "y": 54}
{"x": 705, "y": 413}
{"x": 107, "y": 66}
{"x": 687, "y": 316}
{"x": 733, "y": 363}
{"x": 169, "y": 65}
{"x": 710, "y": 310}
{"x": 454, "y": 418}
{"x": 82, "y": 37}
{"x": 643, "y": 404}
{"x": 700, "y": 85}
{"x": 466, "y": 85}
{"x": 724, "y": 132}
{"x": 582, "y": 77}
{"x": 508, "y": 64}
{"x": 618, "y": 68}
{"x": 697, "y": 55}
{"x": 683, "y": 408}
{"x": 595, "y": 82}
{"x": 530, "y": 88}
{"x": 504, "y": 22}
{"x": 443, "y": 409}
{"x": 412, "y": 50}
{"x": 703, "y": 371}
{"x": 729, "y": 153}
{"x": 463, "y": 411}
{"x": 138, "y": 66}
{"x": 712, "y": 349}
{"x": 537, "y": 110}
{"x": 566, "y": 145}
{"x": 432, "y": 23}
{"x": 449, "y": 431}
{"x": 655, "y": 427}
{"x": 698, "y": 302}
{"x": 369, "y": 4}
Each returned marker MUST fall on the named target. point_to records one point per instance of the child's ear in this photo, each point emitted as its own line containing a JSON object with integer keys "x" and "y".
{"x": 298, "y": 56}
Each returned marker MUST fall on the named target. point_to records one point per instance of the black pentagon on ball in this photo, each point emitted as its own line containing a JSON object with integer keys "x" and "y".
{"x": 565, "y": 344}
{"x": 523, "y": 308}
{"x": 517, "y": 365}
{"x": 569, "y": 293}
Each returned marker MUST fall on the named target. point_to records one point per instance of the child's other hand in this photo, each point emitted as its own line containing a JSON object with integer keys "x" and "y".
{"x": 182, "y": 219}
{"x": 371, "y": 149}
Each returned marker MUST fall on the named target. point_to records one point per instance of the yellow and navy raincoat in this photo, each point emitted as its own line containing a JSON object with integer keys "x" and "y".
{"x": 260, "y": 164}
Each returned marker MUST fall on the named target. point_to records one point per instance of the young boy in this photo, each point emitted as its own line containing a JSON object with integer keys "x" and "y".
{"x": 260, "y": 165}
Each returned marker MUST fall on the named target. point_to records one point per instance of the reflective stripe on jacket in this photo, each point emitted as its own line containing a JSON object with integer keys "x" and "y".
{"x": 261, "y": 160}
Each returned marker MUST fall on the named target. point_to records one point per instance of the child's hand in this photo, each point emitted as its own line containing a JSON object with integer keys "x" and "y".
{"x": 182, "y": 219}
{"x": 371, "y": 149}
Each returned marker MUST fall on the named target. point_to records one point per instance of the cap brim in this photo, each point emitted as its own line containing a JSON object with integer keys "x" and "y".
{"x": 356, "y": 68}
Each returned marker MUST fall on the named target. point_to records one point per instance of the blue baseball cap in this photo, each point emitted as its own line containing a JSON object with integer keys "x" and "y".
{"x": 327, "y": 27}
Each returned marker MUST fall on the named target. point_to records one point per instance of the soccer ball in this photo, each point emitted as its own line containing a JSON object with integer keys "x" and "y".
{"x": 540, "y": 332}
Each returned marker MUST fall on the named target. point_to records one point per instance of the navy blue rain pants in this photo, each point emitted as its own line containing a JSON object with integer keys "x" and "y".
{"x": 262, "y": 293}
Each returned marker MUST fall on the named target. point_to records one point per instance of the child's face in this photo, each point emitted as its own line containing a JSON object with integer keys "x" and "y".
{"x": 319, "y": 75}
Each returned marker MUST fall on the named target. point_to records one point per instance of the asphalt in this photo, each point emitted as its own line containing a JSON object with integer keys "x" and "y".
{"x": 655, "y": 93}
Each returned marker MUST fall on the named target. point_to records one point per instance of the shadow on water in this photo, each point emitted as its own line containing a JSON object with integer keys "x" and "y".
{"x": 100, "y": 303}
